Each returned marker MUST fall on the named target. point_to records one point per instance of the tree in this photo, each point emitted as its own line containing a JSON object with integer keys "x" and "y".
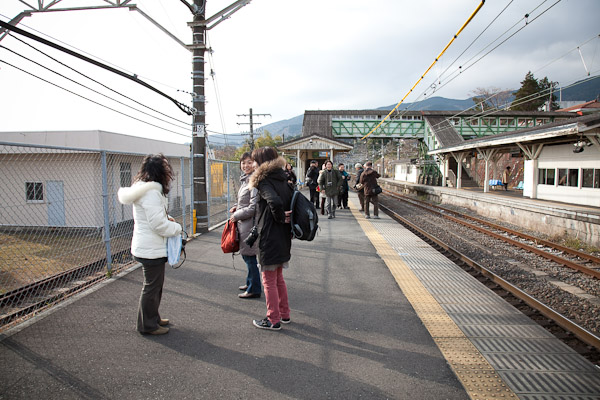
{"x": 491, "y": 98}
{"x": 533, "y": 94}
{"x": 265, "y": 139}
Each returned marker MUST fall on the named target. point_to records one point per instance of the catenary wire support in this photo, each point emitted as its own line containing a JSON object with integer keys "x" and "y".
{"x": 583, "y": 61}
{"x": 428, "y": 69}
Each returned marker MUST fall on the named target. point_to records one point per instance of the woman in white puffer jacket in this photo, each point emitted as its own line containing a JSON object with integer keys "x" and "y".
{"x": 152, "y": 226}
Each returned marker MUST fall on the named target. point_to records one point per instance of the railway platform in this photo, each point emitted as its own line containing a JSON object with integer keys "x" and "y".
{"x": 376, "y": 314}
{"x": 551, "y": 218}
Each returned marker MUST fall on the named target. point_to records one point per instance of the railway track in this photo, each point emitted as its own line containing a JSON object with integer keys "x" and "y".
{"x": 591, "y": 340}
{"x": 43, "y": 293}
{"x": 502, "y": 233}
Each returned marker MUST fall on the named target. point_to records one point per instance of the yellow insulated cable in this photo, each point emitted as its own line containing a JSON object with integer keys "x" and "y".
{"x": 432, "y": 64}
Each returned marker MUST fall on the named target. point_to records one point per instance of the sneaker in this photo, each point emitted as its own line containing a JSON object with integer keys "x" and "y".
{"x": 285, "y": 320}
{"x": 367, "y": 216}
{"x": 376, "y": 216}
{"x": 160, "y": 331}
{"x": 266, "y": 324}
{"x": 330, "y": 217}
{"x": 243, "y": 287}
{"x": 163, "y": 322}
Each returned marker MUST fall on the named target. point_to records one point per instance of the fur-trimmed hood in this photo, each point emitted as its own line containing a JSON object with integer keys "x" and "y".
{"x": 129, "y": 195}
{"x": 266, "y": 169}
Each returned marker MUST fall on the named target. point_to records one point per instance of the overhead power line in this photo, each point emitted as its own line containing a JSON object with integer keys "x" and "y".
{"x": 90, "y": 100}
{"x": 134, "y": 78}
{"x": 91, "y": 89}
{"x": 428, "y": 69}
{"x": 98, "y": 82}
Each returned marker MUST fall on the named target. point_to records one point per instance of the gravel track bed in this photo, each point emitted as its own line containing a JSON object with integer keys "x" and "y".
{"x": 531, "y": 273}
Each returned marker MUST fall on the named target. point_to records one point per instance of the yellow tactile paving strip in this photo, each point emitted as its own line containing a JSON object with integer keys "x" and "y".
{"x": 478, "y": 377}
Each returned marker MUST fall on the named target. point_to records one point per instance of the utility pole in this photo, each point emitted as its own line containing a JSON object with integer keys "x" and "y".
{"x": 251, "y": 123}
{"x": 198, "y": 48}
{"x": 200, "y": 26}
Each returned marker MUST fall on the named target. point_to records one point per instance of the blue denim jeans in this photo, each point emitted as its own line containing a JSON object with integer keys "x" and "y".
{"x": 253, "y": 279}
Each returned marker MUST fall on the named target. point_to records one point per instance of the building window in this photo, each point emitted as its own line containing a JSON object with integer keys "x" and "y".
{"x": 591, "y": 178}
{"x": 568, "y": 177}
{"x": 490, "y": 121}
{"x": 573, "y": 179}
{"x": 125, "y": 170}
{"x": 546, "y": 176}
{"x": 34, "y": 192}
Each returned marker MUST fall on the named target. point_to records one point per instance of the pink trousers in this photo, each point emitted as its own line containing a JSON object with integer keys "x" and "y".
{"x": 276, "y": 295}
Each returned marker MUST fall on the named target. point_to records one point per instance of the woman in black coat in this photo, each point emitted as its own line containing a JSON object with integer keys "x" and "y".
{"x": 289, "y": 173}
{"x": 275, "y": 240}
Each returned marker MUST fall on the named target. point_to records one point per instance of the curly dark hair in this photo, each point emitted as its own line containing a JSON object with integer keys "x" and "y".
{"x": 156, "y": 168}
{"x": 264, "y": 154}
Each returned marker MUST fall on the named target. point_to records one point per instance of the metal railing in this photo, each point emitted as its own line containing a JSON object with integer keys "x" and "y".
{"x": 62, "y": 227}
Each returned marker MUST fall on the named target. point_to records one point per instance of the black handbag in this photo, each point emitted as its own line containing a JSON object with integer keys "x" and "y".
{"x": 376, "y": 190}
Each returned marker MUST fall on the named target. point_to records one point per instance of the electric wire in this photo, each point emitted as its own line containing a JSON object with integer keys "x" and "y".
{"x": 469, "y": 66}
{"x": 133, "y": 78}
{"x": 215, "y": 85}
{"x": 95, "y": 81}
{"x": 459, "y": 71}
{"x": 91, "y": 89}
{"x": 428, "y": 69}
{"x": 499, "y": 44}
{"x": 92, "y": 101}
{"x": 474, "y": 40}
{"x": 90, "y": 54}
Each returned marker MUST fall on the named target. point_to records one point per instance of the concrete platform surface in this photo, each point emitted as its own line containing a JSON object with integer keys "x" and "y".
{"x": 353, "y": 334}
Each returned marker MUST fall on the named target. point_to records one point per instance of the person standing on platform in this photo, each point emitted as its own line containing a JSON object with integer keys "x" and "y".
{"x": 274, "y": 237}
{"x": 506, "y": 177}
{"x": 312, "y": 180}
{"x": 244, "y": 214}
{"x": 357, "y": 185}
{"x": 343, "y": 197}
{"x": 289, "y": 173}
{"x": 151, "y": 228}
{"x": 330, "y": 183}
{"x": 322, "y": 194}
{"x": 369, "y": 180}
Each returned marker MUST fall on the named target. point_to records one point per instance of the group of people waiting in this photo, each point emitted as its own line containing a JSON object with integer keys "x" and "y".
{"x": 264, "y": 197}
{"x": 328, "y": 187}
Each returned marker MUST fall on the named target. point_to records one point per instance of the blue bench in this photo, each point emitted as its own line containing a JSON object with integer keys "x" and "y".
{"x": 520, "y": 186}
{"x": 494, "y": 183}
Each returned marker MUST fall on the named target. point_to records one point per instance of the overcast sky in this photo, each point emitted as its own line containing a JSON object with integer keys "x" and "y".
{"x": 283, "y": 57}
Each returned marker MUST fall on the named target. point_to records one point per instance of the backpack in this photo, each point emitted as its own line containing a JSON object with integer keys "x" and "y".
{"x": 304, "y": 219}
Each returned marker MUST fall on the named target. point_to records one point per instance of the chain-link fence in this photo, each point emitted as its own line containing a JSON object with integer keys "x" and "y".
{"x": 223, "y": 189}
{"x": 62, "y": 227}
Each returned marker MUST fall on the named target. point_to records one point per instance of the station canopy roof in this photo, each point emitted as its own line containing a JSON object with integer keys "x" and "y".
{"x": 554, "y": 133}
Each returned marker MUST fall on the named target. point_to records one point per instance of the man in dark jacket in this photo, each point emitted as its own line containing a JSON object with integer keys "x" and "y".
{"x": 369, "y": 180}
{"x": 312, "y": 176}
{"x": 360, "y": 192}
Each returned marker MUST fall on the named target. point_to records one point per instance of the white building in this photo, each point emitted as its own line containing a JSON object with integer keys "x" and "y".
{"x": 562, "y": 158}
{"x": 62, "y": 179}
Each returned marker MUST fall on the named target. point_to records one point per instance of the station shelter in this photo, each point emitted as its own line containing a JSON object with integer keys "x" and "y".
{"x": 562, "y": 159}
{"x": 312, "y": 147}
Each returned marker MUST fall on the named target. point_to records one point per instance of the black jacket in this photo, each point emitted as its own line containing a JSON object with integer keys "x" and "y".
{"x": 291, "y": 176}
{"x": 313, "y": 174}
{"x": 275, "y": 238}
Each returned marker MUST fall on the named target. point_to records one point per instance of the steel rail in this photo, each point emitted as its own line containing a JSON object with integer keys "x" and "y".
{"x": 546, "y": 243}
{"x": 570, "y": 326}
{"x": 559, "y": 260}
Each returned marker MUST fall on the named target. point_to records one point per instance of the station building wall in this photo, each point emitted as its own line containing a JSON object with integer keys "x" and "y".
{"x": 566, "y": 176}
